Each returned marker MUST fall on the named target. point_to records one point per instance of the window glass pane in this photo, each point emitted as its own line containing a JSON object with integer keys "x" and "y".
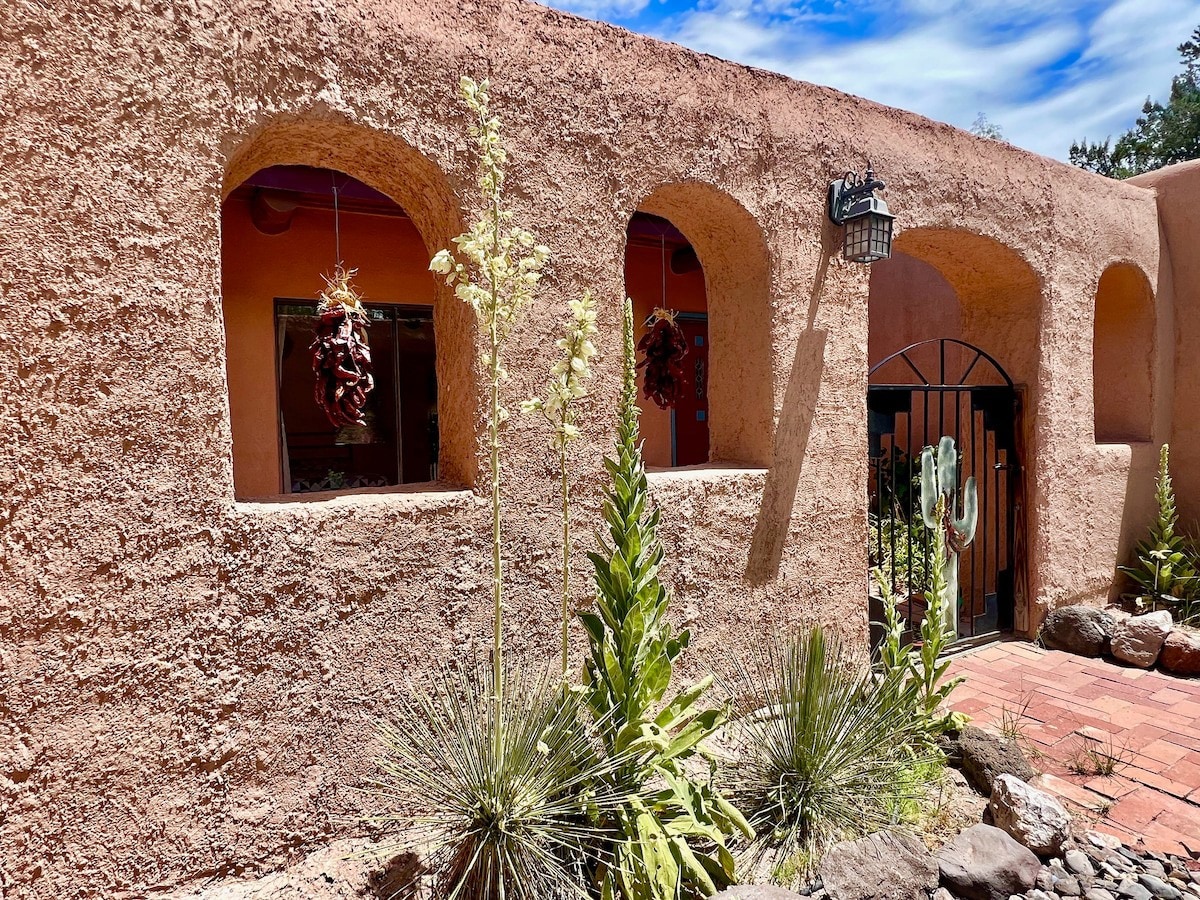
{"x": 321, "y": 457}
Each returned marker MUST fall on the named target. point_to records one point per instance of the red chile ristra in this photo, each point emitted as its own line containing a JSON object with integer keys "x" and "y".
{"x": 341, "y": 357}
{"x": 663, "y": 347}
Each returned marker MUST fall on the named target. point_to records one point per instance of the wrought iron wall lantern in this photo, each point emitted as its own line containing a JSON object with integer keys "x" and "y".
{"x": 868, "y": 224}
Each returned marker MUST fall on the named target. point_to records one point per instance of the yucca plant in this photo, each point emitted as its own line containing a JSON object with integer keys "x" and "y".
{"x": 503, "y": 778}
{"x": 519, "y": 817}
{"x": 1165, "y": 572}
{"x": 672, "y": 827}
{"x": 824, "y": 751}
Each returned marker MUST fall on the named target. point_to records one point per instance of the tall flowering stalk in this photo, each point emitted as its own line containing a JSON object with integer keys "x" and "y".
{"x": 494, "y": 269}
{"x": 566, "y": 386}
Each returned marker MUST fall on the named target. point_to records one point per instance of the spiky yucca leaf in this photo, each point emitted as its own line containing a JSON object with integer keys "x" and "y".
{"x": 512, "y": 815}
{"x": 825, "y": 752}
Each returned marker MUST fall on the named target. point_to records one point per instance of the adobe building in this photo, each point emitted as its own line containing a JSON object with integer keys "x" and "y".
{"x": 208, "y": 596}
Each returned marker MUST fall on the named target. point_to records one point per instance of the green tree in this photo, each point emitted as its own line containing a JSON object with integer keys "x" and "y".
{"x": 1164, "y": 134}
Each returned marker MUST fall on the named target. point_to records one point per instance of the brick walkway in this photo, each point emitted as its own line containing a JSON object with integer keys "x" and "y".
{"x": 1080, "y": 718}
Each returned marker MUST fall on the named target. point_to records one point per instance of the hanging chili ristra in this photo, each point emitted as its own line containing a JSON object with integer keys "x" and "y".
{"x": 663, "y": 348}
{"x": 341, "y": 357}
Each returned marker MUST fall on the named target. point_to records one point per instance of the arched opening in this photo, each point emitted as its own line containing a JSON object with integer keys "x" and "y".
{"x": 695, "y": 250}
{"x": 279, "y": 236}
{"x": 1123, "y": 356}
{"x": 953, "y": 344}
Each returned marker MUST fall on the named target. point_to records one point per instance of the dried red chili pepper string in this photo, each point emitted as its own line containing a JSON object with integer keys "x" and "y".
{"x": 341, "y": 356}
{"x": 663, "y": 349}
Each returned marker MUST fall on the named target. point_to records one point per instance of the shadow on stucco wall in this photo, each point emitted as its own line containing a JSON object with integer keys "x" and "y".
{"x": 791, "y": 439}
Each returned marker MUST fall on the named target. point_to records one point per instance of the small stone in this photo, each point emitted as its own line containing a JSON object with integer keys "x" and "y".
{"x": 1154, "y": 867}
{"x": 1159, "y": 888}
{"x": 1039, "y": 894}
{"x": 1077, "y": 861}
{"x": 1068, "y": 887}
{"x": 1134, "y": 891}
{"x": 1138, "y": 639}
{"x": 985, "y": 863}
{"x": 942, "y": 894}
{"x": 1046, "y": 879}
{"x": 1098, "y": 894}
{"x": 1101, "y": 840}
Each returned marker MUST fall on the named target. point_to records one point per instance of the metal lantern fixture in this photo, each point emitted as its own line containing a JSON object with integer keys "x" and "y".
{"x": 852, "y": 203}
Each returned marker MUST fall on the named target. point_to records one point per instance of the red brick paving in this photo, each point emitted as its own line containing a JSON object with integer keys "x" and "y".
{"x": 1148, "y": 721}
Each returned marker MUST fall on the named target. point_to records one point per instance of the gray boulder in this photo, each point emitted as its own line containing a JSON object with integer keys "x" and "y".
{"x": 1138, "y": 639}
{"x": 1082, "y": 630}
{"x": 882, "y": 866}
{"x": 984, "y": 863}
{"x": 986, "y": 756}
{"x": 1031, "y": 816}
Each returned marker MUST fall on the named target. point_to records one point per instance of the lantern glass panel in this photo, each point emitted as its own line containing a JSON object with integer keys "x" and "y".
{"x": 868, "y": 238}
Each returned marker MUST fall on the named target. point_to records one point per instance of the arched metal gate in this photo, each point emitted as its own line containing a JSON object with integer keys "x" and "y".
{"x": 930, "y": 389}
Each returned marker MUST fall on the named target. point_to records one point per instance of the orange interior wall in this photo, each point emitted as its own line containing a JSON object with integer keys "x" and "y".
{"x": 257, "y": 268}
{"x": 684, "y": 293}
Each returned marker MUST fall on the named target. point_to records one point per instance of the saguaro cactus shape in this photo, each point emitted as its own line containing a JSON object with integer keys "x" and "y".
{"x": 939, "y": 509}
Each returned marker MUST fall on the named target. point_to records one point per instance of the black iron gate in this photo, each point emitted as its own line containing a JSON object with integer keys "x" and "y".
{"x": 935, "y": 388}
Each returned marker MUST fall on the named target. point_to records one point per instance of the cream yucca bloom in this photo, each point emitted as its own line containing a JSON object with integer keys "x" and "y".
{"x": 494, "y": 268}
{"x": 569, "y": 372}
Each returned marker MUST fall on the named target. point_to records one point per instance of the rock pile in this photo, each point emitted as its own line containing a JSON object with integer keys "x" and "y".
{"x": 1136, "y": 640}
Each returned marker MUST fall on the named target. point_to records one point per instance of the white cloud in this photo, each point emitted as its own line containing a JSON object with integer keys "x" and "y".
{"x": 609, "y": 10}
{"x": 1046, "y": 71}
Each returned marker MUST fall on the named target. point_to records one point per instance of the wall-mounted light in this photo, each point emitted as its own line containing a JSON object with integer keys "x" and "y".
{"x": 852, "y": 203}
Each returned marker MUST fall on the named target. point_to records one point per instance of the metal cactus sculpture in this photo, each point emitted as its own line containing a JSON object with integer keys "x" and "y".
{"x": 952, "y": 532}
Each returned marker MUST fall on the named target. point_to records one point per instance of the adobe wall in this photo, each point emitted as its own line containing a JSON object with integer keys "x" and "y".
{"x": 189, "y": 682}
{"x": 1178, "y": 191}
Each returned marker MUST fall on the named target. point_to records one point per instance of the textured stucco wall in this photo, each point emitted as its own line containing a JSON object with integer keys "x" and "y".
{"x": 188, "y": 682}
{"x": 1178, "y": 191}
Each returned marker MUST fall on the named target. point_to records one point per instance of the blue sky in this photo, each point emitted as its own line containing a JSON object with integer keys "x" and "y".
{"x": 1045, "y": 71}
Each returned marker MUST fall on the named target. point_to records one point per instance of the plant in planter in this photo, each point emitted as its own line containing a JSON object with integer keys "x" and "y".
{"x": 951, "y": 532}
{"x": 1166, "y": 570}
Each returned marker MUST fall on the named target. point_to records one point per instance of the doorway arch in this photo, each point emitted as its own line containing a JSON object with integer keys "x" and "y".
{"x": 932, "y": 388}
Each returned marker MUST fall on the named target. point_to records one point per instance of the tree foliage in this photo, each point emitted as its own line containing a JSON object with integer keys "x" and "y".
{"x": 1164, "y": 133}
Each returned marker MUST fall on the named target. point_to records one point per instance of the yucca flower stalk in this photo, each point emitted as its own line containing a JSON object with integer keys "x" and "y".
{"x": 494, "y": 270}
{"x": 558, "y": 407}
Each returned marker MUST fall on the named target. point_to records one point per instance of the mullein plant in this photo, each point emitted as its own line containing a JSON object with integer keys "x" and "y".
{"x": 673, "y": 828}
{"x": 566, "y": 387}
{"x": 1166, "y": 570}
{"x": 494, "y": 776}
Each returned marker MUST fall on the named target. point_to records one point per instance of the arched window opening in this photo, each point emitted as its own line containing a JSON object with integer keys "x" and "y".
{"x": 698, "y": 251}
{"x": 1123, "y": 356}
{"x": 663, "y": 271}
{"x": 280, "y": 236}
